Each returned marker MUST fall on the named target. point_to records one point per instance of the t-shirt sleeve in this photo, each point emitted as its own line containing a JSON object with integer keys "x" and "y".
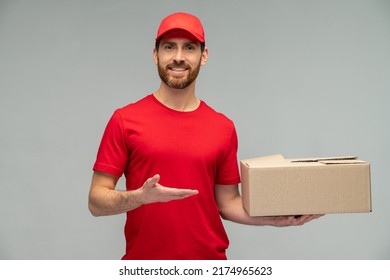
{"x": 228, "y": 173}
{"x": 112, "y": 155}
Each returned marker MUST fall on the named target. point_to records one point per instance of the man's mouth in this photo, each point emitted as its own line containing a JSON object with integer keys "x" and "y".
{"x": 177, "y": 70}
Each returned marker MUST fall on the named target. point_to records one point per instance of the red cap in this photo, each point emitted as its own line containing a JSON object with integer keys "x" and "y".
{"x": 182, "y": 21}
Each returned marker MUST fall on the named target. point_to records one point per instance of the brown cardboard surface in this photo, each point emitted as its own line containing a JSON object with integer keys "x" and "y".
{"x": 273, "y": 185}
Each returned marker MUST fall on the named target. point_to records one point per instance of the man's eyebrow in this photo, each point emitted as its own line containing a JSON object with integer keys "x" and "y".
{"x": 192, "y": 42}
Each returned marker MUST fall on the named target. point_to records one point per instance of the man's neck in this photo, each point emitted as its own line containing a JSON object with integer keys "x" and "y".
{"x": 183, "y": 100}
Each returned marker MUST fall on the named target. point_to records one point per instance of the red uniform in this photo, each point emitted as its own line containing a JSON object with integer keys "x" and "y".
{"x": 192, "y": 150}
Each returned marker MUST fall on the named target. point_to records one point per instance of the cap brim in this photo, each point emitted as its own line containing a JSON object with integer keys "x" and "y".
{"x": 191, "y": 35}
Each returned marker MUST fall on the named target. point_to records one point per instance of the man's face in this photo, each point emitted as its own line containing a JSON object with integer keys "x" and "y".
{"x": 178, "y": 59}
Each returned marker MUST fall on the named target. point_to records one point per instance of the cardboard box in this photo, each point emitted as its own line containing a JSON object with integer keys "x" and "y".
{"x": 274, "y": 186}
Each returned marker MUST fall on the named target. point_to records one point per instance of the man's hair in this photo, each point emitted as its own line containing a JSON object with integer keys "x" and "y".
{"x": 202, "y": 45}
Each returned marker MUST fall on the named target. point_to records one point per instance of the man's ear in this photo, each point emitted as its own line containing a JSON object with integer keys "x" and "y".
{"x": 155, "y": 58}
{"x": 205, "y": 56}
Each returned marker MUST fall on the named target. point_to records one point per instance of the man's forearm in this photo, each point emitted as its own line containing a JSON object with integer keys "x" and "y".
{"x": 236, "y": 213}
{"x": 104, "y": 202}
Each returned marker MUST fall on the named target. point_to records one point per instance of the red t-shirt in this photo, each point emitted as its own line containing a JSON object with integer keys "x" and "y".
{"x": 194, "y": 150}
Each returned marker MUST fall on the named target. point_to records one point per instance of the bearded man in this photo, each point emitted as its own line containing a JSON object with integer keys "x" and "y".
{"x": 179, "y": 157}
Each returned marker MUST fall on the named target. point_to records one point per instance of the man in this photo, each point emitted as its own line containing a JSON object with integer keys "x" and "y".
{"x": 179, "y": 158}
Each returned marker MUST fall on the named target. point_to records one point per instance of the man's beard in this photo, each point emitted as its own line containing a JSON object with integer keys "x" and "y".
{"x": 178, "y": 82}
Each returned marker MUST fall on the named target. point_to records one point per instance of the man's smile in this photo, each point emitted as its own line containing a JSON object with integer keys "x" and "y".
{"x": 177, "y": 70}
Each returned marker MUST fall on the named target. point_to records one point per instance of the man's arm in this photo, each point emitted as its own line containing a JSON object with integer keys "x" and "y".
{"x": 230, "y": 207}
{"x": 105, "y": 200}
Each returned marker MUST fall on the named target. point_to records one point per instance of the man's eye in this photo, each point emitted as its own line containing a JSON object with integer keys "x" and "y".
{"x": 168, "y": 47}
{"x": 190, "y": 47}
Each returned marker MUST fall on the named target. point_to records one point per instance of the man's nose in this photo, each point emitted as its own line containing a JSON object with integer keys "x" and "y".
{"x": 179, "y": 56}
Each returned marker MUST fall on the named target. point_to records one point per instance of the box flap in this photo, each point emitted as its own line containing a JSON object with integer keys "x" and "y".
{"x": 265, "y": 159}
{"x": 279, "y": 161}
{"x": 326, "y": 159}
{"x": 347, "y": 161}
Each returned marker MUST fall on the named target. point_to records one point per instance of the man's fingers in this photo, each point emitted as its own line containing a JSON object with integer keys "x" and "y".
{"x": 306, "y": 218}
{"x": 296, "y": 220}
{"x": 158, "y": 193}
{"x": 183, "y": 193}
{"x": 151, "y": 182}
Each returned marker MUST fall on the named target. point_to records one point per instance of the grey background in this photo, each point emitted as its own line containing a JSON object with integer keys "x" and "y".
{"x": 299, "y": 78}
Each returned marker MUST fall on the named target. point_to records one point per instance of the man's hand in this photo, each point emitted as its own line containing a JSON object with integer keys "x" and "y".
{"x": 152, "y": 192}
{"x": 105, "y": 200}
{"x": 284, "y": 221}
